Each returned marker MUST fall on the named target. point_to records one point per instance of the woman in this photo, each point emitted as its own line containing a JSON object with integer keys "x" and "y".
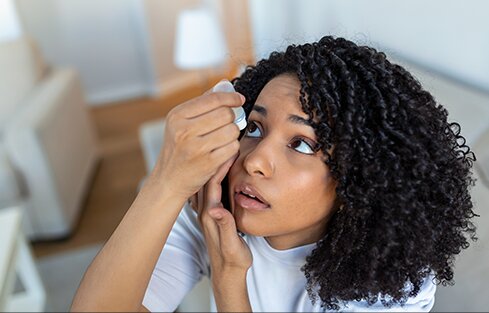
{"x": 348, "y": 191}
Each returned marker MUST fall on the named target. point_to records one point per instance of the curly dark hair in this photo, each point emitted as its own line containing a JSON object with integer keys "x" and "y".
{"x": 403, "y": 172}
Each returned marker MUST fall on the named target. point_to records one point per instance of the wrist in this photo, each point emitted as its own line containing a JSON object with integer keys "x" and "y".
{"x": 162, "y": 187}
{"x": 231, "y": 291}
{"x": 156, "y": 193}
{"x": 229, "y": 275}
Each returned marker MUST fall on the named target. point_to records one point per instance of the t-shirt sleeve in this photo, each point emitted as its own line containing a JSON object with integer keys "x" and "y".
{"x": 182, "y": 263}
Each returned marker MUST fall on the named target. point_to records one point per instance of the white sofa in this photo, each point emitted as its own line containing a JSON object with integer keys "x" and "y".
{"x": 47, "y": 142}
{"x": 468, "y": 107}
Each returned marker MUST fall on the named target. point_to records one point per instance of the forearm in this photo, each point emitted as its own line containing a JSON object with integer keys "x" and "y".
{"x": 118, "y": 277}
{"x": 231, "y": 292}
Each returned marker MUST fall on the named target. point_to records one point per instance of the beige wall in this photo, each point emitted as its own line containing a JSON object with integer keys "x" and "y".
{"x": 161, "y": 19}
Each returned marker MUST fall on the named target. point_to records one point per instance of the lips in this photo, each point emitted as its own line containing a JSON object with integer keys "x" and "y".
{"x": 251, "y": 192}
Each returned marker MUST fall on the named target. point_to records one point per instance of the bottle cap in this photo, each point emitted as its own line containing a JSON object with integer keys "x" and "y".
{"x": 240, "y": 115}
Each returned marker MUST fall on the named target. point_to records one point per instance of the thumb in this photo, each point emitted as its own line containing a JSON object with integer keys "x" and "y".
{"x": 226, "y": 223}
{"x": 214, "y": 189}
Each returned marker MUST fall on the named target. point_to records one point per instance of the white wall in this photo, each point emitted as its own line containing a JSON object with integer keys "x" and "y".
{"x": 102, "y": 39}
{"x": 9, "y": 23}
{"x": 448, "y": 36}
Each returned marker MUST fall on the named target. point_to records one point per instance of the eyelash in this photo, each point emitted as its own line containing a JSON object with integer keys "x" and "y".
{"x": 312, "y": 147}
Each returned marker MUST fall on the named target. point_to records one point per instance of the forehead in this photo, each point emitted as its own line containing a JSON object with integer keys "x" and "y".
{"x": 282, "y": 93}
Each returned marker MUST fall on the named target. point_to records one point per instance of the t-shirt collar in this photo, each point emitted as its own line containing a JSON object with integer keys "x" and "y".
{"x": 294, "y": 256}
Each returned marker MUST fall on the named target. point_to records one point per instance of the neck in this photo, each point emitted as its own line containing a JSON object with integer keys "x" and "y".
{"x": 299, "y": 238}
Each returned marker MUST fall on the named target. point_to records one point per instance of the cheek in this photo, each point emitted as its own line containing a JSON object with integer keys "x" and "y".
{"x": 304, "y": 188}
{"x": 309, "y": 192}
{"x": 235, "y": 169}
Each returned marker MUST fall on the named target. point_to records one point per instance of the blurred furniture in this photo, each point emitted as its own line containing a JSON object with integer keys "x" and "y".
{"x": 468, "y": 107}
{"x": 47, "y": 146}
{"x": 16, "y": 261}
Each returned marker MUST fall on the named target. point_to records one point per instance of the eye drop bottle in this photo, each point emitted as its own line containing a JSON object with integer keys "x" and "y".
{"x": 240, "y": 116}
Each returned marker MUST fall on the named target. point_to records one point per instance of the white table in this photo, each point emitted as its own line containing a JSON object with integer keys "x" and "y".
{"x": 16, "y": 261}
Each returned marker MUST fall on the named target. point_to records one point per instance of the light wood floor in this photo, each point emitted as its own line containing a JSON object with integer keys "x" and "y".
{"x": 121, "y": 168}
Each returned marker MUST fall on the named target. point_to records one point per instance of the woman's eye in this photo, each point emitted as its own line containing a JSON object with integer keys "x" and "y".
{"x": 302, "y": 146}
{"x": 252, "y": 130}
{"x": 298, "y": 144}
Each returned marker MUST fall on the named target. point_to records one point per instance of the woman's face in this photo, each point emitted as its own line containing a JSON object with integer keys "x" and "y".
{"x": 277, "y": 161}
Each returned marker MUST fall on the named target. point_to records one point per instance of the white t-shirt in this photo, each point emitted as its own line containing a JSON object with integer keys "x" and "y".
{"x": 275, "y": 282}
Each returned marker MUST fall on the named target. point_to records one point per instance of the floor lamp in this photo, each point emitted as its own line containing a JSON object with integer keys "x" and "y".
{"x": 200, "y": 43}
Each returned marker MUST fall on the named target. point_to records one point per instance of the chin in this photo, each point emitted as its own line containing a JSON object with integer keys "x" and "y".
{"x": 250, "y": 227}
{"x": 249, "y": 231}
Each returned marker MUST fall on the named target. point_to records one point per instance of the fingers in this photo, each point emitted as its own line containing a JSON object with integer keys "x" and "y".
{"x": 214, "y": 188}
{"x": 212, "y": 101}
{"x": 226, "y": 152}
{"x": 229, "y": 240}
{"x": 223, "y": 170}
{"x": 213, "y": 120}
{"x": 220, "y": 137}
{"x": 210, "y": 194}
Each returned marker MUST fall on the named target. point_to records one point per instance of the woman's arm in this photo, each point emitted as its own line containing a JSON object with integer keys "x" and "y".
{"x": 118, "y": 277}
{"x": 231, "y": 292}
{"x": 199, "y": 137}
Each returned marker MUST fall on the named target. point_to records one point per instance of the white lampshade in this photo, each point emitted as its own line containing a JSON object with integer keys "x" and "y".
{"x": 199, "y": 39}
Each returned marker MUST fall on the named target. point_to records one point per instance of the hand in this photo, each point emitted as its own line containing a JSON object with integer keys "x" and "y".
{"x": 199, "y": 137}
{"x": 228, "y": 252}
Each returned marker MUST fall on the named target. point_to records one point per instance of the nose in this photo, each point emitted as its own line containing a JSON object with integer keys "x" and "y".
{"x": 259, "y": 160}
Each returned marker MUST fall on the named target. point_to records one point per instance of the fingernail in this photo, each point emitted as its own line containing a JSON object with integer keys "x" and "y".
{"x": 243, "y": 99}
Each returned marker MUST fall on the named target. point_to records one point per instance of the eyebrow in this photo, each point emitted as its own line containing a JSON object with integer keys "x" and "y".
{"x": 292, "y": 118}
